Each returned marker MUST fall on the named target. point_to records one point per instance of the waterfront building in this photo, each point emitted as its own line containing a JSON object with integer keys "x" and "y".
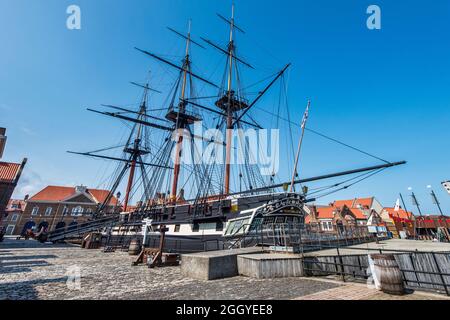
{"x": 57, "y": 207}
{"x": 14, "y": 211}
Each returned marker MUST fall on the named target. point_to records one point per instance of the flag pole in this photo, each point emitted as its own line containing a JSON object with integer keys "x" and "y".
{"x": 305, "y": 118}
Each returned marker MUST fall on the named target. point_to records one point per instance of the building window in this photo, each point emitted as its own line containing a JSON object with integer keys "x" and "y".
{"x": 10, "y": 229}
{"x": 77, "y": 211}
{"x": 65, "y": 211}
{"x": 219, "y": 226}
{"x": 48, "y": 211}
{"x": 14, "y": 217}
{"x": 35, "y": 211}
{"x": 327, "y": 225}
{"x": 196, "y": 227}
{"x": 177, "y": 228}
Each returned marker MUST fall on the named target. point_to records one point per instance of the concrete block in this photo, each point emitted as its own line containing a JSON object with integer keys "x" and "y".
{"x": 213, "y": 264}
{"x": 269, "y": 266}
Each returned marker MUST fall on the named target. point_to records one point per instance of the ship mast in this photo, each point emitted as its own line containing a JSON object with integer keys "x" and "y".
{"x": 136, "y": 151}
{"x": 181, "y": 125}
{"x": 133, "y": 148}
{"x": 229, "y": 111}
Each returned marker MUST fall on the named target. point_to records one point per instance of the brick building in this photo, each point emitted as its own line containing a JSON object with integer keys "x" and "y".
{"x": 330, "y": 218}
{"x": 63, "y": 207}
{"x": 9, "y": 177}
{"x": 356, "y": 212}
{"x": 14, "y": 211}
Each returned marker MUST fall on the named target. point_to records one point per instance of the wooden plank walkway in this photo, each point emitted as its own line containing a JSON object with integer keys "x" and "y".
{"x": 357, "y": 291}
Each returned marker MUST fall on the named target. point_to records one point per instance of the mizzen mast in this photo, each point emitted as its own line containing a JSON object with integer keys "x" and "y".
{"x": 136, "y": 151}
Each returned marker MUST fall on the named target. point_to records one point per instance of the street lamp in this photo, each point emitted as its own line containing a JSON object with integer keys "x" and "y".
{"x": 417, "y": 205}
{"x": 437, "y": 203}
{"x": 414, "y": 201}
{"x": 435, "y": 200}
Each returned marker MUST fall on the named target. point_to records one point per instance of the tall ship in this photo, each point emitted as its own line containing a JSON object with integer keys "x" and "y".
{"x": 196, "y": 162}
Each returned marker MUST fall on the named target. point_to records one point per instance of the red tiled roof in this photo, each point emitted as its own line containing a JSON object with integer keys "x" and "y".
{"x": 57, "y": 193}
{"x": 308, "y": 219}
{"x": 101, "y": 195}
{"x": 8, "y": 171}
{"x": 364, "y": 202}
{"x": 325, "y": 212}
{"x": 359, "y": 214}
{"x": 402, "y": 214}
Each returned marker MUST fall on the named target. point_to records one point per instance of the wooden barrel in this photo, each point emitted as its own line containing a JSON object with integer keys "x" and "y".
{"x": 135, "y": 247}
{"x": 388, "y": 273}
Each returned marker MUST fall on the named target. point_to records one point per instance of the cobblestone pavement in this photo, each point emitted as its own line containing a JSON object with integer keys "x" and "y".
{"x": 29, "y": 270}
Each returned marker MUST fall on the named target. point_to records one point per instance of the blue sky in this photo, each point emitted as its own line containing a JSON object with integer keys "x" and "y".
{"x": 385, "y": 91}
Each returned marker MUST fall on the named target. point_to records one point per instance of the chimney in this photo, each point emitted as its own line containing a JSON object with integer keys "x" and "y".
{"x": 2, "y": 141}
{"x": 80, "y": 189}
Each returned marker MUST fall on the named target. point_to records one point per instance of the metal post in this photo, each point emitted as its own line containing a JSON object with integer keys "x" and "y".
{"x": 440, "y": 273}
{"x": 437, "y": 203}
{"x": 416, "y": 203}
{"x": 341, "y": 264}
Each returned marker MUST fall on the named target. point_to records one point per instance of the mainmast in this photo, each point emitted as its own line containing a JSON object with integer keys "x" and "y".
{"x": 229, "y": 111}
{"x": 181, "y": 124}
{"x": 233, "y": 105}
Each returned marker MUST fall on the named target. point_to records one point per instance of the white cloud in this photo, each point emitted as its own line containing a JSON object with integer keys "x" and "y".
{"x": 29, "y": 184}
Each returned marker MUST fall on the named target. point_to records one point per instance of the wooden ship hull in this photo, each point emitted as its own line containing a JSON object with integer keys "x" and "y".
{"x": 223, "y": 221}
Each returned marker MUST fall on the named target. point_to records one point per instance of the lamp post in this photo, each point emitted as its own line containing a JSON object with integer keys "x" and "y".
{"x": 437, "y": 203}
{"x": 417, "y": 205}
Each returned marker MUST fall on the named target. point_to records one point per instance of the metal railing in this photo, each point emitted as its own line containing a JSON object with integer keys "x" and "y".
{"x": 302, "y": 237}
{"x": 419, "y": 269}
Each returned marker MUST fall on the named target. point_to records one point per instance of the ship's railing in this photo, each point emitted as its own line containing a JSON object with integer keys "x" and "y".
{"x": 304, "y": 237}
{"x": 78, "y": 230}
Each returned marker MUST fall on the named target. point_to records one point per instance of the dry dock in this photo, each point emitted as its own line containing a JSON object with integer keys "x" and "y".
{"x": 29, "y": 270}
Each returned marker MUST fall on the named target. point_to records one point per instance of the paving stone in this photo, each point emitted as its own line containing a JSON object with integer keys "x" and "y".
{"x": 25, "y": 276}
{"x": 111, "y": 276}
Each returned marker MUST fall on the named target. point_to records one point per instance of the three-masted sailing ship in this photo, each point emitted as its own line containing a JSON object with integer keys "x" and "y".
{"x": 204, "y": 200}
